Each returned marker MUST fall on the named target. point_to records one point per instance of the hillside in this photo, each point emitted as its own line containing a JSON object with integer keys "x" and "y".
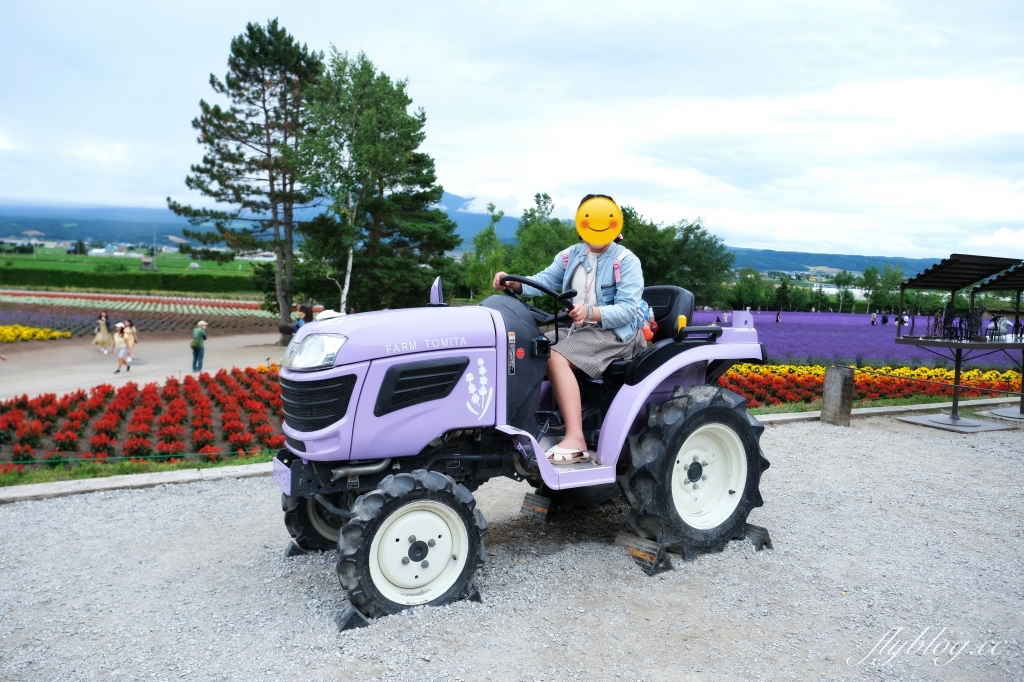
{"x": 766, "y": 259}
{"x": 115, "y": 224}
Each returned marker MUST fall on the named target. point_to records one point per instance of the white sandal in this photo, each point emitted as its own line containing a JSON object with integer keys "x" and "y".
{"x": 560, "y": 455}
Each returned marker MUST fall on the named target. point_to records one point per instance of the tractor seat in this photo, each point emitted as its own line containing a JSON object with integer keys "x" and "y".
{"x": 668, "y": 303}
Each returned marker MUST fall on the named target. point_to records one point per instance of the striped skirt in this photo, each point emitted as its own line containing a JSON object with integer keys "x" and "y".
{"x": 592, "y": 349}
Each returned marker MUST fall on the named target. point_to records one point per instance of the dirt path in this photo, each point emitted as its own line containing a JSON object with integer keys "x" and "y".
{"x": 63, "y": 366}
{"x": 876, "y": 528}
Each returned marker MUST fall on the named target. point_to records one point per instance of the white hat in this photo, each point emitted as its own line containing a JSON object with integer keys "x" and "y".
{"x": 119, "y": 324}
{"x": 201, "y": 323}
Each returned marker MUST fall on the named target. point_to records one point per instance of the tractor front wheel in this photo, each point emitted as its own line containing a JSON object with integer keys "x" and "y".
{"x": 417, "y": 539}
{"x": 695, "y": 471}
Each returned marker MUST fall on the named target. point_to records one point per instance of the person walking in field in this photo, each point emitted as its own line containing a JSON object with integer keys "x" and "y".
{"x": 198, "y": 345}
{"x": 131, "y": 335}
{"x": 102, "y": 338}
{"x": 121, "y": 347}
{"x": 874, "y": 318}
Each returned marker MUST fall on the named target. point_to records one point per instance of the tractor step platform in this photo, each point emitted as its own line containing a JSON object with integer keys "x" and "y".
{"x": 581, "y": 473}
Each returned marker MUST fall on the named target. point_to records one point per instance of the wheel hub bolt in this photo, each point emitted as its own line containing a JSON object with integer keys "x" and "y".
{"x": 703, "y": 464}
{"x": 424, "y": 564}
{"x": 405, "y": 560}
{"x": 694, "y": 486}
{"x": 704, "y": 477}
{"x": 431, "y": 542}
{"x": 696, "y": 458}
{"x": 412, "y": 538}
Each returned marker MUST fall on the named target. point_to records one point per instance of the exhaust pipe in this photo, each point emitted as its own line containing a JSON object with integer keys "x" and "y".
{"x": 360, "y": 469}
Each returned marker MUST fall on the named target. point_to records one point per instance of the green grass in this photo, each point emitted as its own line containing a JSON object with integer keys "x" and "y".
{"x": 57, "y": 259}
{"x": 80, "y": 470}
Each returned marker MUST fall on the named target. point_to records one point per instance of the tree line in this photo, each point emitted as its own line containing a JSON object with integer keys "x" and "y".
{"x": 881, "y": 290}
{"x": 684, "y": 253}
{"x": 324, "y": 151}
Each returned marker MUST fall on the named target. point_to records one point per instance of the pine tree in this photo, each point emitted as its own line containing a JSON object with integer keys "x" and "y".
{"x": 246, "y": 169}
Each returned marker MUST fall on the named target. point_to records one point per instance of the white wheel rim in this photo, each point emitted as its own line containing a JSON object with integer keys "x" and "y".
{"x": 721, "y": 462}
{"x": 315, "y": 511}
{"x": 411, "y": 582}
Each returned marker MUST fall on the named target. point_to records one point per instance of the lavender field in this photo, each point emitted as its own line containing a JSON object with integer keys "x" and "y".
{"x": 824, "y": 338}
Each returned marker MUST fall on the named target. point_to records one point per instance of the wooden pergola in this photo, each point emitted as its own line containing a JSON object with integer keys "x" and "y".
{"x": 953, "y": 274}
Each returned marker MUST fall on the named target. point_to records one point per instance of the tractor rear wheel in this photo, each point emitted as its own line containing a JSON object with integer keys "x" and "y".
{"x": 695, "y": 471}
{"x": 417, "y": 539}
{"x": 312, "y": 526}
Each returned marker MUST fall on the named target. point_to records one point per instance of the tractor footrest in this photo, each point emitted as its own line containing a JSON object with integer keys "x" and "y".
{"x": 649, "y": 556}
{"x": 758, "y": 537}
{"x": 536, "y": 506}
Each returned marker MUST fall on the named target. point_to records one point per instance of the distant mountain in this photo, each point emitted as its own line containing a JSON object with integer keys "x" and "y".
{"x": 117, "y": 224}
{"x": 800, "y": 261}
{"x": 471, "y": 223}
{"x": 133, "y": 225}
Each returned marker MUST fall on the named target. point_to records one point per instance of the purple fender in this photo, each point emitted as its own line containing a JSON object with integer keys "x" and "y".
{"x": 686, "y": 369}
{"x": 734, "y": 344}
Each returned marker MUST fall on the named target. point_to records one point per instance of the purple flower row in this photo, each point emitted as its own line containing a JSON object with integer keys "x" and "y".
{"x": 823, "y": 338}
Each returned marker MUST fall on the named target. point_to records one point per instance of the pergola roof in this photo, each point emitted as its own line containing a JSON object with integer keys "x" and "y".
{"x": 1011, "y": 280}
{"x": 958, "y": 271}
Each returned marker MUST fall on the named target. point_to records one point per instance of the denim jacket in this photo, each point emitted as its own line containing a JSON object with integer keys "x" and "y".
{"x": 618, "y": 301}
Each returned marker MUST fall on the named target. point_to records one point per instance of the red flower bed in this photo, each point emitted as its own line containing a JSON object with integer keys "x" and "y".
{"x": 164, "y": 422}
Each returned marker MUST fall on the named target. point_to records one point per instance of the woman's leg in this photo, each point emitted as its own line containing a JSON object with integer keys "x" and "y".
{"x": 567, "y": 395}
{"x": 202, "y": 351}
{"x": 195, "y": 359}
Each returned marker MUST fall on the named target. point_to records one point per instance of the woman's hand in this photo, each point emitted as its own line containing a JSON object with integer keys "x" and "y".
{"x": 578, "y": 314}
{"x": 515, "y": 286}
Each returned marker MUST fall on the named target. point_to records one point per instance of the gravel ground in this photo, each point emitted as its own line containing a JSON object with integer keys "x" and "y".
{"x": 881, "y": 525}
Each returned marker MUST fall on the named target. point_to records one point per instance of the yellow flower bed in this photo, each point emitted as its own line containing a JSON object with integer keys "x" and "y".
{"x": 15, "y": 332}
{"x": 929, "y": 373}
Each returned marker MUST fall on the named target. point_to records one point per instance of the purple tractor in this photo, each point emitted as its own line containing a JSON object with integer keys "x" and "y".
{"x": 393, "y": 418}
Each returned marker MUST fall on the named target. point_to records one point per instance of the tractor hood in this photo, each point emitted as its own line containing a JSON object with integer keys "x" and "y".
{"x": 388, "y": 333}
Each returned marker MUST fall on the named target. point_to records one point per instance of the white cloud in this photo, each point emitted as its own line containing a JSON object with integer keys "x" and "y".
{"x": 1002, "y": 242}
{"x": 104, "y": 152}
{"x": 873, "y": 127}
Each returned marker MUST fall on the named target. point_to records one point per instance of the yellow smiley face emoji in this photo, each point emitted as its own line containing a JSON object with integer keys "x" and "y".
{"x": 598, "y": 219}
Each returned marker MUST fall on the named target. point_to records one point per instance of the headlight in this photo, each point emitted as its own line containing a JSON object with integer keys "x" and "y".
{"x": 316, "y": 351}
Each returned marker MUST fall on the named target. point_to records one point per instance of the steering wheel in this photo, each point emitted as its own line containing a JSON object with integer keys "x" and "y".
{"x": 542, "y": 317}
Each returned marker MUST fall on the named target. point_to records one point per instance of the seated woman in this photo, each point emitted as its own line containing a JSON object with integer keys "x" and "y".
{"x": 606, "y": 326}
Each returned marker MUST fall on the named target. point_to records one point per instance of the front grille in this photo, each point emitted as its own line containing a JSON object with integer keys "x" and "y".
{"x": 295, "y": 444}
{"x": 314, "y": 405}
{"x": 412, "y": 383}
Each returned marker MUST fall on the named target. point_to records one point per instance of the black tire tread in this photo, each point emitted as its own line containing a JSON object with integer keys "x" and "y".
{"x": 369, "y": 507}
{"x": 652, "y": 516}
{"x": 304, "y": 534}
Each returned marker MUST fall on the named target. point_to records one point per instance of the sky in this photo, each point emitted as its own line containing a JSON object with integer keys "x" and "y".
{"x": 877, "y": 128}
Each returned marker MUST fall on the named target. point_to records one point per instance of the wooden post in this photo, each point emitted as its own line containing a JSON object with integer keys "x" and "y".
{"x": 837, "y": 397}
